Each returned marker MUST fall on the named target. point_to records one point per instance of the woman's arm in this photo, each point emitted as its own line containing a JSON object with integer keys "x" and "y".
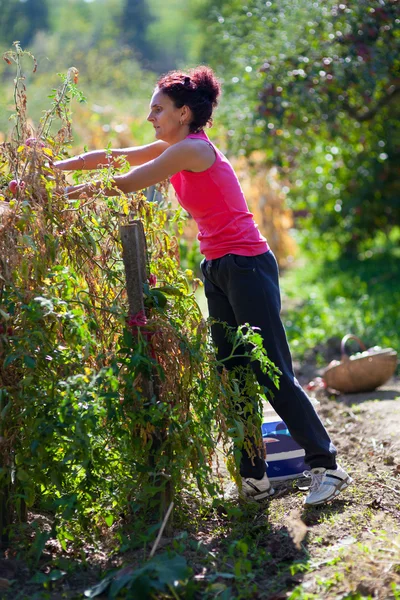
{"x": 96, "y": 159}
{"x": 184, "y": 156}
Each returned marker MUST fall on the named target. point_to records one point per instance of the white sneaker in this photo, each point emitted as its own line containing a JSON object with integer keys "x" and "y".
{"x": 326, "y": 484}
{"x": 256, "y": 489}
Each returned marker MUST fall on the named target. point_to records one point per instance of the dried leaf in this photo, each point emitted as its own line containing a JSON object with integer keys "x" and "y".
{"x": 297, "y": 528}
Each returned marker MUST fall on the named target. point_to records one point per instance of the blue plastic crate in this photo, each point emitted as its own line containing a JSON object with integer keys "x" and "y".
{"x": 285, "y": 458}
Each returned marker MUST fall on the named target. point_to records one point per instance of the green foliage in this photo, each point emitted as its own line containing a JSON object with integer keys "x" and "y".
{"x": 117, "y": 89}
{"x": 135, "y": 20}
{"x": 342, "y": 295}
{"x": 314, "y": 84}
{"x": 163, "y": 574}
{"x": 22, "y": 20}
{"x": 80, "y": 435}
{"x": 175, "y": 34}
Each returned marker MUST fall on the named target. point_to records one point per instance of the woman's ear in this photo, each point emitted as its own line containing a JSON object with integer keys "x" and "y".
{"x": 186, "y": 115}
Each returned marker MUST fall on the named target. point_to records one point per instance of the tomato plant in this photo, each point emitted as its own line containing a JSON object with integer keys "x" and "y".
{"x": 78, "y": 436}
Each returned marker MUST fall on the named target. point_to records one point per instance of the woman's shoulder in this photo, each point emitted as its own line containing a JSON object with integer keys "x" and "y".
{"x": 198, "y": 144}
{"x": 199, "y": 149}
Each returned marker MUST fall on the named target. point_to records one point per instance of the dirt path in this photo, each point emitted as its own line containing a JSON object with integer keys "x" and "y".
{"x": 354, "y": 542}
{"x": 380, "y": 415}
{"x": 349, "y": 548}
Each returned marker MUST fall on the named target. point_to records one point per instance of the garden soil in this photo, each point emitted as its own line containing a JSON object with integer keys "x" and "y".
{"x": 349, "y": 548}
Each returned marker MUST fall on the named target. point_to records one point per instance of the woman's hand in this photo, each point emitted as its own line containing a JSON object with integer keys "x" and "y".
{"x": 73, "y": 192}
{"x": 90, "y": 190}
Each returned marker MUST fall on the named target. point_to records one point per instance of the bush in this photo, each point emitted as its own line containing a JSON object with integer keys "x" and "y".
{"x": 80, "y": 435}
{"x": 314, "y": 85}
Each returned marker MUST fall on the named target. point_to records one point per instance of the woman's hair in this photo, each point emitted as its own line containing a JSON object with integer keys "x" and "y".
{"x": 198, "y": 89}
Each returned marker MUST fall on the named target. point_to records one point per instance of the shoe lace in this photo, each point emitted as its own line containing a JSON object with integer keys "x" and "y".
{"x": 316, "y": 479}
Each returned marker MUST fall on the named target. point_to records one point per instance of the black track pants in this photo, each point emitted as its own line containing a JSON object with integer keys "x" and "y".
{"x": 242, "y": 289}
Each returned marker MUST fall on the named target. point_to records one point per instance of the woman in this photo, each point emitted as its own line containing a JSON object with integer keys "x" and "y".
{"x": 240, "y": 271}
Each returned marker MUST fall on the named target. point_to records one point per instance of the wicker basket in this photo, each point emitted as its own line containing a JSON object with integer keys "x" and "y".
{"x": 362, "y": 372}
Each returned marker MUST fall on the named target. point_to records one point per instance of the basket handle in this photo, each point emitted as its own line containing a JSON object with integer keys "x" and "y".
{"x": 348, "y": 337}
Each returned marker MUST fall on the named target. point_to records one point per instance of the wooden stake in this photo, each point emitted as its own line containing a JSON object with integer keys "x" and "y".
{"x": 135, "y": 260}
{"x": 134, "y": 257}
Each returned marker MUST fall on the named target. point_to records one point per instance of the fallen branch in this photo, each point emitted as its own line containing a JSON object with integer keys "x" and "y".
{"x": 163, "y": 524}
{"x": 389, "y": 488}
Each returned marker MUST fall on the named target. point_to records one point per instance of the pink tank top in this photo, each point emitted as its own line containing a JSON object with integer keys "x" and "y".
{"x": 216, "y": 202}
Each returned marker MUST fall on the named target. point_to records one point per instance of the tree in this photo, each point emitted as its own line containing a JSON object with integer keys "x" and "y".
{"x": 315, "y": 85}
{"x": 21, "y": 20}
{"x": 136, "y": 18}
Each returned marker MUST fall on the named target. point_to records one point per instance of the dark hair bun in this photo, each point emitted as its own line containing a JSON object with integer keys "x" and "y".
{"x": 199, "y": 90}
{"x": 206, "y": 82}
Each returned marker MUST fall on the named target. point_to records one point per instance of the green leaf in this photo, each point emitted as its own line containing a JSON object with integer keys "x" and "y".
{"x": 169, "y": 569}
{"x": 118, "y": 584}
{"x": 44, "y": 578}
{"x": 22, "y": 475}
{"x": 39, "y": 578}
{"x": 5, "y": 410}
{"x": 29, "y": 361}
{"x": 9, "y": 359}
{"x": 29, "y": 495}
{"x": 170, "y": 290}
{"x": 159, "y": 298}
{"x": 127, "y": 338}
{"x": 109, "y": 520}
{"x": 28, "y": 241}
{"x": 56, "y": 575}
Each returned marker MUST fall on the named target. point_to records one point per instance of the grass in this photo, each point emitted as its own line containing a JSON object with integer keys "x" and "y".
{"x": 325, "y": 299}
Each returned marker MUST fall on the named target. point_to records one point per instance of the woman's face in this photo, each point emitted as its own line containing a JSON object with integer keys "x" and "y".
{"x": 165, "y": 117}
